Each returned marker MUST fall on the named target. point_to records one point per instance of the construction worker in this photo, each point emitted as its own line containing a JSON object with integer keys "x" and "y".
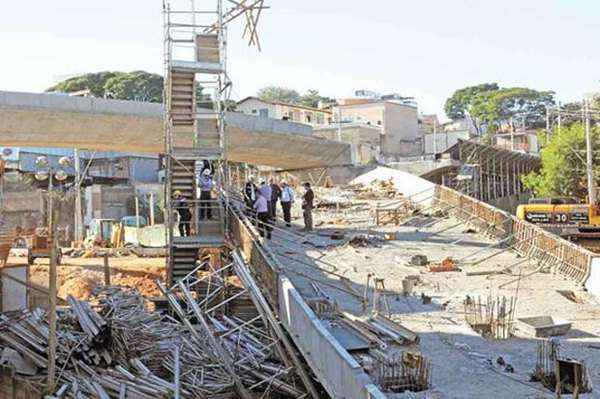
{"x": 250, "y": 194}
{"x": 275, "y": 196}
{"x": 261, "y": 208}
{"x": 287, "y": 200}
{"x": 205, "y": 182}
{"x": 185, "y": 216}
{"x": 307, "y": 206}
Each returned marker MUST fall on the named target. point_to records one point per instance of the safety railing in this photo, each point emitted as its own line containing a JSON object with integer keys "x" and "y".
{"x": 482, "y": 216}
{"x": 565, "y": 258}
{"x": 338, "y": 371}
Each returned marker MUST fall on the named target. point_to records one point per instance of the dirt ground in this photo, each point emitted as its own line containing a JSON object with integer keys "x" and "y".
{"x": 78, "y": 276}
{"x": 464, "y": 363}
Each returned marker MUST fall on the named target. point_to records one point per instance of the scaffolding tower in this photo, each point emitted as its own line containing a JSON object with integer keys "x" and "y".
{"x": 195, "y": 87}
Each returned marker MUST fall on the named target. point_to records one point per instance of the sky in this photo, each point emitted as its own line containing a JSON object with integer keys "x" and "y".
{"x": 426, "y": 48}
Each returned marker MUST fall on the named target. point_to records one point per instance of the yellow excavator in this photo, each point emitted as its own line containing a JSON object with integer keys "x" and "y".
{"x": 567, "y": 217}
{"x": 563, "y": 216}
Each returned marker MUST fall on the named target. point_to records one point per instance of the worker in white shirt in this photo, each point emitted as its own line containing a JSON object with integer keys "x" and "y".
{"x": 287, "y": 199}
{"x": 261, "y": 207}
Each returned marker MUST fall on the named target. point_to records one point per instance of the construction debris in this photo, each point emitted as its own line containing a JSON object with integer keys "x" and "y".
{"x": 543, "y": 326}
{"x": 114, "y": 344}
{"x": 560, "y": 375}
{"x": 402, "y": 372}
{"x": 492, "y": 318}
{"x": 419, "y": 260}
{"x": 446, "y": 265}
{"x": 366, "y": 240}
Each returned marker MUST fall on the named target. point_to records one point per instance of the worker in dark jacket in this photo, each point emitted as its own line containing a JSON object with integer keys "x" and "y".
{"x": 250, "y": 190}
{"x": 287, "y": 200}
{"x": 307, "y": 206}
{"x": 185, "y": 216}
{"x": 275, "y": 196}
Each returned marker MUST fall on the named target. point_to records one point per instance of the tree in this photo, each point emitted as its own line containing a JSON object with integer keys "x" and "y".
{"x": 563, "y": 172}
{"x": 461, "y": 102}
{"x": 94, "y": 82}
{"x": 135, "y": 86}
{"x": 312, "y": 98}
{"x": 490, "y": 106}
{"x": 279, "y": 94}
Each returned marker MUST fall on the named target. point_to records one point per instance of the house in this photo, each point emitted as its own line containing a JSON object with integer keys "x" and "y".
{"x": 523, "y": 141}
{"x": 429, "y": 123}
{"x": 284, "y": 111}
{"x": 398, "y": 121}
{"x": 365, "y": 139}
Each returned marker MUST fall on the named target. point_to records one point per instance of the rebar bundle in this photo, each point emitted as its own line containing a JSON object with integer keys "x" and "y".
{"x": 492, "y": 318}
{"x": 401, "y": 372}
{"x": 114, "y": 347}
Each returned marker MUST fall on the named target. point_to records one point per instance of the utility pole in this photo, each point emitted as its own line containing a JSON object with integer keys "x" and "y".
{"x": 51, "y": 382}
{"x": 78, "y": 216}
{"x": 512, "y": 134}
{"x": 434, "y": 139}
{"x": 339, "y": 119}
{"x": 590, "y": 159}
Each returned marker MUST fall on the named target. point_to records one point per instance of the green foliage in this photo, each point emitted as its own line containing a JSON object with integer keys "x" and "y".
{"x": 490, "y": 106}
{"x": 462, "y": 100}
{"x": 94, "y": 82}
{"x": 563, "y": 164}
{"x": 135, "y": 86}
{"x": 281, "y": 94}
{"x": 312, "y": 98}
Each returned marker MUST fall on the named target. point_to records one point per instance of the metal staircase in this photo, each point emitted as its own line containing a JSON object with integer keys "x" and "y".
{"x": 194, "y": 49}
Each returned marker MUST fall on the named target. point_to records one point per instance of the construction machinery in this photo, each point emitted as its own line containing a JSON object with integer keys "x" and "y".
{"x": 39, "y": 245}
{"x": 565, "y": 217}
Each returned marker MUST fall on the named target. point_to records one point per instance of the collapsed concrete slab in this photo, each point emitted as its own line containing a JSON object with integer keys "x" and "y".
{"x": 50, "y": 120}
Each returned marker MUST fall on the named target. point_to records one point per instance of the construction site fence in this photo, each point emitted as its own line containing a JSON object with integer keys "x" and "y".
{"x": 338, "y": 372}
{"x": 564, "y": 257}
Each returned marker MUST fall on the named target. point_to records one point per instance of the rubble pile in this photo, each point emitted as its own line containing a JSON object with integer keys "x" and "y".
{"x": 114, "y": 345}
{"x": 366, "y": 240}
{"x": 376, "y": 189}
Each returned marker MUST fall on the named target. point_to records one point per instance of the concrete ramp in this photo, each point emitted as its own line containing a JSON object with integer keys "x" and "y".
{"x": 51, "y": 120}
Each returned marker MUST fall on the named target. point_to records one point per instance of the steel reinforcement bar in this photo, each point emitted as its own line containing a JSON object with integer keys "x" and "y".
{"x": 567, "y": 259}
{"x": 339, "y": 373}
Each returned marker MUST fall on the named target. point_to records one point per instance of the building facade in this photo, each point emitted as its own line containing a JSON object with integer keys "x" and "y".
{"x": 365, "y": 139}
{"x": 283, "y": 111}
{"x": 398, "y": 122}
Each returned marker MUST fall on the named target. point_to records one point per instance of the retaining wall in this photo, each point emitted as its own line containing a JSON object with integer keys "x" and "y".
{"x": 565, "y": 258}
{"x": 336, "y": 369}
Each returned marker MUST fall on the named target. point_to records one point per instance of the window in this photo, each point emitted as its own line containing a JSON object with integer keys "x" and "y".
{"x": 378, "y": 123}
{"x": 309, "y": 117}
{"x": 264, "y": 112}
{"x": 254, "y": 111}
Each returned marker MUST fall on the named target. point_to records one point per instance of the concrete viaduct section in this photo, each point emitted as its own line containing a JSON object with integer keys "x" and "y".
{"x": 338, "y": 372}
{"x": 49, "y": 120}
{"x": 563, "y": 257}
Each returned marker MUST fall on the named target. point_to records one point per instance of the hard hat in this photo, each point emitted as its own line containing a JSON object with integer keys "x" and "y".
{"x": 206, "y": 172}
{"x": 176, "y": 193}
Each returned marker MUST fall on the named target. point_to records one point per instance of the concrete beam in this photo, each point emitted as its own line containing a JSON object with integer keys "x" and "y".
{"x": 47, "y": 120}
